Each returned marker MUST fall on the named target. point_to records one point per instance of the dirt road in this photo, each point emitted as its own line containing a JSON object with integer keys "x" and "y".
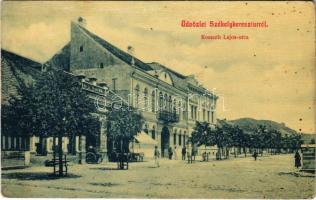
{"x": 268, "y": 177}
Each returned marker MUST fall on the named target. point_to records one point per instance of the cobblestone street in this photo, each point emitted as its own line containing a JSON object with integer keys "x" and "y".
{"x": 268, "y": 177}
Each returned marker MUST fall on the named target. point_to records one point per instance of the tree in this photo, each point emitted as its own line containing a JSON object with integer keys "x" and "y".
{"x": 123, "y": 123}
{"x": 55, "y": 106}
{"x": 201, "y": 134}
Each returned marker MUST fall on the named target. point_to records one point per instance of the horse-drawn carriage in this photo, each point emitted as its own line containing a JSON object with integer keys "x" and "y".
{"x": 93, "y": 157}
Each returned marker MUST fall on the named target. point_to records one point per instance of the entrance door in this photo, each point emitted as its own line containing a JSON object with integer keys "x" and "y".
{"x": 164, "y": 141}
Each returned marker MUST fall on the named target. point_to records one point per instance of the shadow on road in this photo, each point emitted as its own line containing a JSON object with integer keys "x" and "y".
{"x": 106, "y": 168}
{"x": 109, "y": 184}
{"x": 32, "y": 176}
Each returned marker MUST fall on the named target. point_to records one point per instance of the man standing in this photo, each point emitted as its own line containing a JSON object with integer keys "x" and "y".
{"x": 170, "y": 153}
{"x": 255, "y": 155}
{"x": 297, "y": 158}
{"x": 184, "y": 152}
{"x": 156, "y": 156}
{"x": 175, "y": 153}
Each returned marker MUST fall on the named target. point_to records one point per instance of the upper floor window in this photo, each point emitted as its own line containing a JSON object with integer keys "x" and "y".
{"x": 81, "y": 48}
{"x": 153, "y": 101}
{"x": 208, "y": 116}
{"x": 101, "y": 65}
{"x": 136, "y": 95}
{"x": 146, "y": 98}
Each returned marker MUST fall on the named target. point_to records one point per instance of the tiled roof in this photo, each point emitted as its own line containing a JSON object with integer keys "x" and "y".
{"x": 16, "y": 70}
{"x": 116, "y": 51}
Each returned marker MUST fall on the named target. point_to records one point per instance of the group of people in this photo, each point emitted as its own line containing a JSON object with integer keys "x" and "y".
{"x": 297, "y": 156}
{"x": 173, "y": 153}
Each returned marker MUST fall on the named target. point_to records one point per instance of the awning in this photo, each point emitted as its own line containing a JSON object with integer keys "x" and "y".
{"x": 143, "y": 138}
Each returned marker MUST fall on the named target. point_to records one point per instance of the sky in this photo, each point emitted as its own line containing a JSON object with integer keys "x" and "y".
{"x": 269, "y": 76}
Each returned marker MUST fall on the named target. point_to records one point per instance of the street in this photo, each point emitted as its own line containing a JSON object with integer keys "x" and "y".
{"x": 268, "y": 177}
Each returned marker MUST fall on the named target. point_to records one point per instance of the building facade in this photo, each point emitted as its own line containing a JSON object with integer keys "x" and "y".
{"x": 170, "y": 102}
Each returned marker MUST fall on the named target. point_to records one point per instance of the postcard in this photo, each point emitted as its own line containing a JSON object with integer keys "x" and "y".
{"x": 171, "y": 99}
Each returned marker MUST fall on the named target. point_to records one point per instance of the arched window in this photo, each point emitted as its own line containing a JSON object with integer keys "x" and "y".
{"x": 136, "y": 96}
{"x": 165, "y": 100}
{"x": 160, "y": 101}
{"x": 146, "y": 128}
{"x": 153, "y": 133}
{"x": 180, "y": 109}
{"x": 169, "y": 104}
{"x": 174, "y": 106}
{"x": 101, "y": 65}
{"x": 153, "y": 101}
{"x": 146, "y": 99}
{"x": 175, "y": 137}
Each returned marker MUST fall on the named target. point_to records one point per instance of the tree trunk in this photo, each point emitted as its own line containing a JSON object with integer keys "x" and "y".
{"x": 60, "y": 154}
{"x": 80, "y": 150}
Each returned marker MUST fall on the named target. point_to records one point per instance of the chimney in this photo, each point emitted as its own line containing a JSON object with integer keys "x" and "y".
{"x": 130, "y": 51}
{"x": 82, "y": 22}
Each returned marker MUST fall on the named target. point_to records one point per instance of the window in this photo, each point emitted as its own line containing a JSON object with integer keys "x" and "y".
{"x": 180, "y": 140}
{"x": 160, "y": 101}
{"x": 184, "y": 139}
{"x": 12, "y": 143}
{"x": 153, "y": 133}
{"x": 208, "y": 116}
{"x": 192, "y": 112}
{"x": 114, "y": 83}
{"x": 174, "y": 138}
{"x": 146, "y": 129}
{"x": 101, "y": 65}
{"x": 212, "y": 118}
{"x": 136, "y": 95}
{"x": 3, "y": 143}
{"x": 174, "y": 106}
{"x": 153, "y": 101}
{"x": 165, "y": 102}
{"x": 146, "y": 98}
{"x": 179, "y": 105}
{"x": 81, "y": 48}
{"x": 203, "y": 114}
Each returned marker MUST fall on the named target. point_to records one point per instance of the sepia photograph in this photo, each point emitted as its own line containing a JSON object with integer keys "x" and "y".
{"x": 158, "y": 99}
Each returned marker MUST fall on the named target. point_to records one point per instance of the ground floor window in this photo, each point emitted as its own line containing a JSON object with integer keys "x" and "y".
{"x": 174, "y": 139}
{"x": 153, "y": 134}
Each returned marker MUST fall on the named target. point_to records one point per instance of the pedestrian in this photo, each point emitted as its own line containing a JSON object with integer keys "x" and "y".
{"x": 255, "y": 155}
{"x": 183, "y": 152}
{"x": 193, "y": 154}
{"x": 175, "y": 153}
{"x": 170, "y": 153}
{"x": 156, "y": 156}
{"x": 297, "y": 158}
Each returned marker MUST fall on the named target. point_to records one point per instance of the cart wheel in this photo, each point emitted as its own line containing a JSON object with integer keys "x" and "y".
{"x": 91, "y": 158}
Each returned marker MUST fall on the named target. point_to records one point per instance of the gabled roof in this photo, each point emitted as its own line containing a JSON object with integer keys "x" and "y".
{"x": 21, "y": 62}
{"x": 16, "y": 71}
{"x": 116, "y": 51}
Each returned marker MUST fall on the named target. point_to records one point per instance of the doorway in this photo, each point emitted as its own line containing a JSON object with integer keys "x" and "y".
{"x": 164, "y": 141}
